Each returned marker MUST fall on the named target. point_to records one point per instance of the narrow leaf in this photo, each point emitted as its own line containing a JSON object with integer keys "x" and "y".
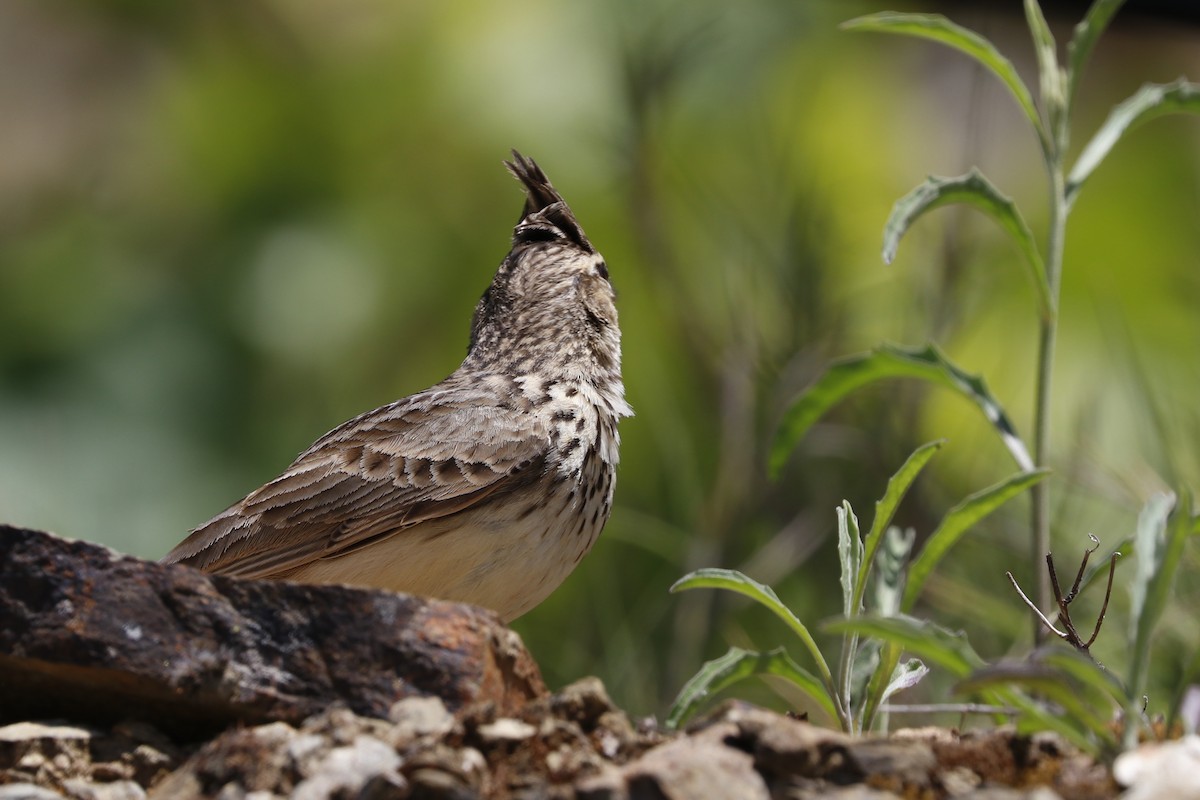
{"x": 734, "y": 581}
{"x": 939, "y": 29}
{"x": 1159, "y": 541}
{"x": 946, "y": 648}
{"x": 1051, "y": 78}
{"x": 957, "y": 522}
{"x": 737, "y": 665}
{"x": 890, "y": 571}
{"x": 1103, "y": 686}
{"x": 866, "y": 663}
{"x": 889, "y": 659}
{"x": 885, "y": 507}
{"x": 889, "y": 361}
{"x": 1038, "y": 716}
{"x": 976, "y": 190}
{"x": 1151, "y": 101}
{"x": 1084, "y": 40}
{"x": 906, "y": 676}
{"x": 850, "y": 554}
{"x": 1151, "y": 543}
{"x": 1048, "y": 682}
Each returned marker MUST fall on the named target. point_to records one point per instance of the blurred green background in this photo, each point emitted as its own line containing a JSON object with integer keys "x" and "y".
{"x": 227, "y": 227}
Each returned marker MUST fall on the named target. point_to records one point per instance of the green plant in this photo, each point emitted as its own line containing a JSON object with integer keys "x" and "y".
{"x": 1052, "y": 680}
{"x": 1074, "y": 682}
{"x": 1051, "y": 123}
{"x": 868, "y": 671}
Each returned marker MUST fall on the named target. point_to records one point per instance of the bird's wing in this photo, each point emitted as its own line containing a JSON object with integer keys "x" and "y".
{"x": 373, "y": 477}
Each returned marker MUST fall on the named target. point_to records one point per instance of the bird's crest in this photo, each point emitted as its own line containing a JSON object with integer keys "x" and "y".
{"x": 546, "y": 215}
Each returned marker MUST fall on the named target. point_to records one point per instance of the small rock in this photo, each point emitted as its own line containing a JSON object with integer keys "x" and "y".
{"x": 855, "y": 792}
{"x": 346, "y": 771}
{"x": 44, "y": 753}
{"x": 341, "y": 726}
{"x": 1161, "y": 769}
{"x": 418, "y": 717}
{"x": 582, "y": 702}
{"x": 694, "y": 767}
{"x": 444, "y": 771}
{"x": 782, "y": 746}
{"x": 384, "y": 787}
{"x": 78, "y": 789}
{"x": 506, "y": 729}
{"x": 27, "y": 791}
{"x": 615, "y": 735}
{"x": 1005, "y": 793}
{"x": 235, "y": 763}
{"x": 958, "y": 781}
{"x": 22, "y": 739}
{"x": 608, "y": 784}
{"x": 907, "y": 765}
{"x": 305, "y": 752}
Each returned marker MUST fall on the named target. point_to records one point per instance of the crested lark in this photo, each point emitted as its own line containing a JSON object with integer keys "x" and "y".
{"x": 487, "y": 488}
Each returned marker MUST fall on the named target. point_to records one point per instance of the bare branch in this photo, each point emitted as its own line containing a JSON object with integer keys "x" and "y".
{"x": 1112, "y": 570}
{"x": 1082, "y": 566}
{"x": 1036, "y": 610}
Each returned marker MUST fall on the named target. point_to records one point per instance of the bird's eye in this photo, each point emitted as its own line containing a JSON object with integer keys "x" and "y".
{"x": 602, "y": 270}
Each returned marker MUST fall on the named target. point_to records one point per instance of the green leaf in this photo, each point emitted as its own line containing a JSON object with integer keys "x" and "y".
{"x": 905, "y": 676}
{"x": 1038, "y": 716}
{"x": 889, "y": 361}
{"x": 1084, "y": 40}
{"x": 1147, "y": 589}
{"x": 1051, "y": 77}
{"x": 734, "y": 581}
{"x": 866, "y": 663}
{"x": 956, "y": 522}
{"x": 889, "y": 659}
{"x": 939, "y": 29}
{"x": 946, "y": 648}
{"x": 1159, "y": 542}
{"x": 1102, "y": 685}
{"x": 737, "y": 665}
{"x": 885, "y": 508}
{"x": 1149, "y": 102}
{"x": 1079, "y": 719}
{"x": 890, "y": 570}
{"x": 850, "y": 554}
{"x": 976, "y": 190}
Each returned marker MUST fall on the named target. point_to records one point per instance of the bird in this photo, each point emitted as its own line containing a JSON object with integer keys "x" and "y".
{"x": 487, "y": 488}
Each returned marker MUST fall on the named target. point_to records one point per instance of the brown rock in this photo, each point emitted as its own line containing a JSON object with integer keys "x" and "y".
{"x": 91, "y": 635}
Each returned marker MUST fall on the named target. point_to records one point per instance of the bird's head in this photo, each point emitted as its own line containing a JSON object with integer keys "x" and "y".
{"x": 551, "y": 297}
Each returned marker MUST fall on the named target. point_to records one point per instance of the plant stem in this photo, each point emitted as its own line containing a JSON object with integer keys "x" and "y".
{"x": 1059, "y": 209}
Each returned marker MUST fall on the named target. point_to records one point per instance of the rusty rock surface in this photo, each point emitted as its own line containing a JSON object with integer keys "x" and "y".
{"x": 89, "y": 635}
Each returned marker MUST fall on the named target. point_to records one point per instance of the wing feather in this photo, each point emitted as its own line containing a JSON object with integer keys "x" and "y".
{"x": 371, "y": 478}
